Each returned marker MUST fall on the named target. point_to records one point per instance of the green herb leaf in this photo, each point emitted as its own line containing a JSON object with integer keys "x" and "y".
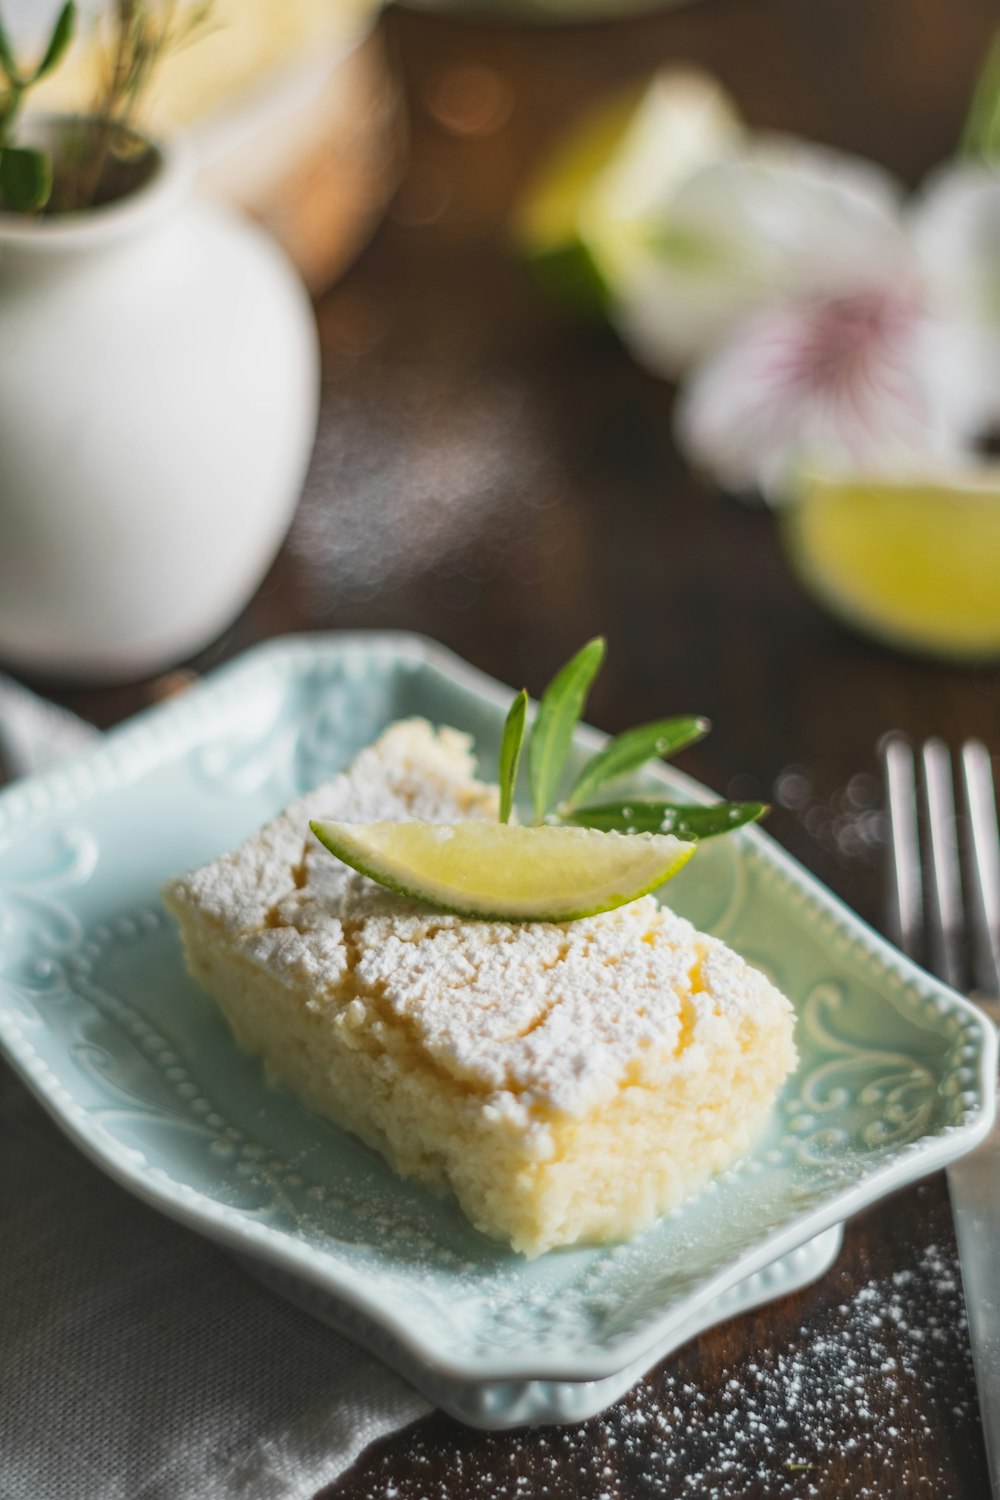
{"x": 9, "y": 107}
{"x": 685, "y": 822}
{"x": 980, "y": 140}
{"x": 628, "y": 751}
{"x": 8, "y": 62}
{"x": 62, "y": 34}
{"x": 558, "y": 715}
{"x": 25, "y": 179}
{"x": 510, "y": 753}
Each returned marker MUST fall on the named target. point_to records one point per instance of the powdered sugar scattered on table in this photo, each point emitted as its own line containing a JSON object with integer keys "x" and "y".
{"x": 770, "y": 1426}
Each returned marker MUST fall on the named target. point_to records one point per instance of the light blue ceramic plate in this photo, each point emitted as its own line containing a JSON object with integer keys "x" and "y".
{"x": 97, "y": 1013}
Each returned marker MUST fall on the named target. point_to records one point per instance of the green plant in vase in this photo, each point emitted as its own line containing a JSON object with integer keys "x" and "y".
{"x": 25, "y": 171}
{"x": 99, "y": 158}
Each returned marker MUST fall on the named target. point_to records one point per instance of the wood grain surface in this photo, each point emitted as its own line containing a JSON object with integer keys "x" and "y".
{"x": 503, "y": 479}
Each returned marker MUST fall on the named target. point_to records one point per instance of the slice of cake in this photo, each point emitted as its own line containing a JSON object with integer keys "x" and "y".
{"x": 567, "y": 1082}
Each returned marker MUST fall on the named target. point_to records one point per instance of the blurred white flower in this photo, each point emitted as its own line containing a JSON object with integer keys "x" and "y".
{"x": 684, "y": 121}
{"x": 838, "y": 377}
{"x": 955, "y": 223}
{"x": 662, "y": 265}
{"x": 881, "y": 350}
{"x": 810, "y": 315}
{"x": 693, "y": 224}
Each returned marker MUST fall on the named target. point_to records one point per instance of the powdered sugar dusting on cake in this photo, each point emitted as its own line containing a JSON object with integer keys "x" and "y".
{"x": 538, "y": 1016}
{"x": 411, "y": 772}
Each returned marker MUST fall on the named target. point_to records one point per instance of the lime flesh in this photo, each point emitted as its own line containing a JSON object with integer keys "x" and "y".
{"x": 915, "y": 563}
{"x": 501, "y": 872}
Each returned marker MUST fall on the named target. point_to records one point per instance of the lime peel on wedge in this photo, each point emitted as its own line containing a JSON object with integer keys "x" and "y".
{"x": 505, "y": 873}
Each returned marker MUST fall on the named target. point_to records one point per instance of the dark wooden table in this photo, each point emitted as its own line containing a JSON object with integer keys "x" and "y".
{"x": 503, "y": 479}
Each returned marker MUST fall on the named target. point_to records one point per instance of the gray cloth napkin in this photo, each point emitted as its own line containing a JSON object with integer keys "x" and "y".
{"x": 136, "y": 1361}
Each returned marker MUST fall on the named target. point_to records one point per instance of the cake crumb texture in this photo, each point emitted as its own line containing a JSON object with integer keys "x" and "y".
{"x": 567, "y": 1082}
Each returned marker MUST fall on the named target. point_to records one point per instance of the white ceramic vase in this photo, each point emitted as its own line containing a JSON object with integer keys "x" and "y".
{"x": 159, "y": 383}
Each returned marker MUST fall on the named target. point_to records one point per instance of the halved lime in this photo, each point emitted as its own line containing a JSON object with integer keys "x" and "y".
{"x": 505, "y": 873}
{"x": 915, "y": 562}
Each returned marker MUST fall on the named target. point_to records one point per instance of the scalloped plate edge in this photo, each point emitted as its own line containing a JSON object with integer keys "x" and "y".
{"x": 156, "y": 734}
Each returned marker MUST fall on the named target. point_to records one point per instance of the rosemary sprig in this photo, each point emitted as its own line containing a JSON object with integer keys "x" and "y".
{"x": 141, "y": 34}
{"x": 138, "y": 34}
{"x": 628, "y": 751}
{"x": 639, "y": 815}
{"x": 510, "y": 753}
{"x": 559, "y": 713}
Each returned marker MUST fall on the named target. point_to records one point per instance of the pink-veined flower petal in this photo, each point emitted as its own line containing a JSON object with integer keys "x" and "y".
{"x": 737, "y": 234}
{"x": 840, "y": 378}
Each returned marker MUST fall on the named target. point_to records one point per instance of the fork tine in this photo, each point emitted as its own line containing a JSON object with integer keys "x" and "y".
{"x": 980, "y": 801}
{"x": 948, "y": 926}
{"x": 906, "y": 895}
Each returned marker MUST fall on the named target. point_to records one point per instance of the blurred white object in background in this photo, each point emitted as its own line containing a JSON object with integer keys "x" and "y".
{"x": 159, "y": 385}
{"x": 695, "y": 223}
{"x": 810, "y": 314}
{"x": 674, "y": 284}
{"x": 872, "y": 342}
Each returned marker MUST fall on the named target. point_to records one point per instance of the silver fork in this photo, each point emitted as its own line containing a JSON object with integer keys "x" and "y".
{"x": 960, "y": 941}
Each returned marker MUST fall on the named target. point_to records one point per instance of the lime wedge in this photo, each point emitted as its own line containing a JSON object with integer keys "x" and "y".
{"x": 913, "y": 562}
{"x": 504, "y": 873}
{"x": 546, "y": 226}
